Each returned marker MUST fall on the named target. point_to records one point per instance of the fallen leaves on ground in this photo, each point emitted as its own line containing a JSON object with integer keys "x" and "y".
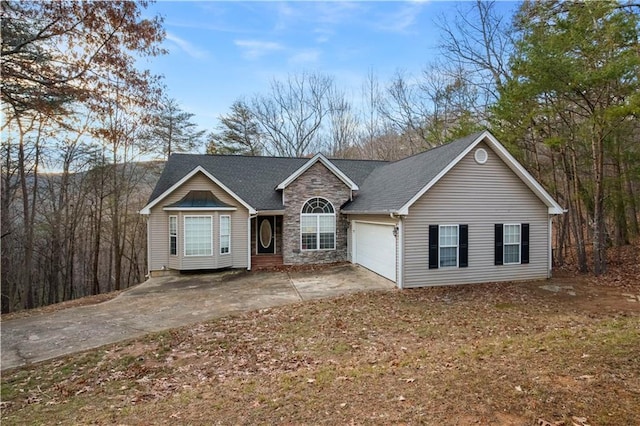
{"x": 508, "y": 353}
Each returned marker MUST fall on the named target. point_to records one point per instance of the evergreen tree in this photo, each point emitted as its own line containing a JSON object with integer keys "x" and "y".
{"x": 575, "y": 84}
{"x": 171, "y": 130}
{"x": 238, "y": 133}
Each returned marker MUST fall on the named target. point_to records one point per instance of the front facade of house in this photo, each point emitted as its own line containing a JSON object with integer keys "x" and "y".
{"x": 460, "y": 213}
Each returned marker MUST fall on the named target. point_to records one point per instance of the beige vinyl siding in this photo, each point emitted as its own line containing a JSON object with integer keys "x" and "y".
{"x": 479, "y": 195}
{"x": 158, "y": 238}
{"x": 158, "y": 228}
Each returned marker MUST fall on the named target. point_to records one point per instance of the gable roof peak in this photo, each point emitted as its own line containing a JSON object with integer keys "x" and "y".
{"x": 319, "y": 157}
{"x": 396, "y": 186}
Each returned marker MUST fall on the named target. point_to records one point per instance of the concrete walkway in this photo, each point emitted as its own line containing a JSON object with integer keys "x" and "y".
{"x": 169, "y": 302}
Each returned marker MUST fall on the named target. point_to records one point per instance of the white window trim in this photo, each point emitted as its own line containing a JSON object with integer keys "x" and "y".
{"x": 504, "y": 244}
{"x": 229, "y": 234}
{"x": 173, "y": 235}
{"x": 457, "y": 246}
{"x": 185, "y": 235}
{"x": 317, "y": 216}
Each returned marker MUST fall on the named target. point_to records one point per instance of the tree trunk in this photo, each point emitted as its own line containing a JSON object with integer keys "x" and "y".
{"x": 7, "y": 229}
{"x": 621, "y": 234}
{"x": 28, "y": 213}
{"x": 576, "y": 213}
{"x": 599, "y": 229}
{"x": 97, "y": 234}
{"x": 632, "y": 206}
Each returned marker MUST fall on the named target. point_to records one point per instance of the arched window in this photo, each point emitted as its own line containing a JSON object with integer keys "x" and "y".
{"x": 317, "y": 225}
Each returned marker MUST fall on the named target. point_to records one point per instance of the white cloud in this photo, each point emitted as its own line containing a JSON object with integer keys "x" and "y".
{"x": 402, "y": 20}
{"x": 337, "y": 12}
{"x": 323, "y": 35}
{"x": 305, "y": 56}
{"x": 254, "y": 49}
{"x": 187, "y": 47}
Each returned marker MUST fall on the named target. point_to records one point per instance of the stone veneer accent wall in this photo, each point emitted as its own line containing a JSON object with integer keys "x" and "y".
{"x": 317, "y": 181}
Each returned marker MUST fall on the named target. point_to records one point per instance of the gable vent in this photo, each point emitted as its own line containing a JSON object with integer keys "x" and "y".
{"x": 481, "y": 156}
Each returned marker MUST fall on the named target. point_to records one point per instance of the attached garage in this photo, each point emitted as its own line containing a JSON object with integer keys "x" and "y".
{"x": 374, "y": 247}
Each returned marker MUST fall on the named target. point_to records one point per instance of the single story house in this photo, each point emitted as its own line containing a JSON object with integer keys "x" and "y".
{"x": 463, "y": 212}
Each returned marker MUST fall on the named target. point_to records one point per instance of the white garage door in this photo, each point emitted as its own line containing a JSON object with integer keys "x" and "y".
{"x": 375, "y": 248}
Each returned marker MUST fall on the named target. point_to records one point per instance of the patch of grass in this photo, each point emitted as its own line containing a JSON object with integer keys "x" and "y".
{"x": 340, "y": 348}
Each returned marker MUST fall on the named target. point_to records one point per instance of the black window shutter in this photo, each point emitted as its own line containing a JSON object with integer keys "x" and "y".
{"x": 433, "y": 246}
{"x": 463, "y": 237}
{"x": 524, "y": 243}
{"x": 498, "y": 244}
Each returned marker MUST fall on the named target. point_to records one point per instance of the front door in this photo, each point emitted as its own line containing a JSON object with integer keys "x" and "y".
{"x": 266, "y": 234}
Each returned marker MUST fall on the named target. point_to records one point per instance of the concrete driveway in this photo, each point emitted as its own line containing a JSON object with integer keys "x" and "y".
{"x": 168, "y": 302}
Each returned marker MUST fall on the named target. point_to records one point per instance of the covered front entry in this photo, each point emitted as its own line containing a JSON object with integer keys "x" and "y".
{"x": 266, "y": 241}
{"x": 374, "y": 247}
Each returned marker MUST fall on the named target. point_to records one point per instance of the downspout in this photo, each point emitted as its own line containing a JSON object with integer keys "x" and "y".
{"x": 148, "y": 275}
{"x": 249, "y": 240}
{"x": 399, "y": 250}
{"x": 550, "y": 254}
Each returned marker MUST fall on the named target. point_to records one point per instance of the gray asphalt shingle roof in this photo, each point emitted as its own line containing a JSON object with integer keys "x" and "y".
{"x": 384, "y": 186}
{"x": 254, "y": 179}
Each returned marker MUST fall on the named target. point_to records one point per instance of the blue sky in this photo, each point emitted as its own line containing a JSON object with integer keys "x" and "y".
{"x": 223, "y": 51}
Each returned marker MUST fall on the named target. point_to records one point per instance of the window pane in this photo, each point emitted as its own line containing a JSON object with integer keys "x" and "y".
{"x": 308, "y": 224}
{"x": 327, "y": 223}
{"x": 317, "y": 205}
{"x": 309, "y": 228}
{"x": 173, "y": 243}
{"x": 224, "y": 225}
{"x": 309, "y": 242}
{"x": 173, "y": 235}
{"x": 326, "y": 241}
{"x": 197, "y": 236}
{"x": 224, "y": 244}
{"x": 511, "y": 234}
{"x": 511, "y": 244}
{"x": 512, "y": 253}
{"x": 327, "y": 232}
{"x": 448, "y": 235}
{"x": 225, "y": 231}
{"x": 448, "y": 256}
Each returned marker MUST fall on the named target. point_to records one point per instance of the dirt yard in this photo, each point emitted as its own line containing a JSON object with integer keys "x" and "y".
{"x": 558, "y": 352}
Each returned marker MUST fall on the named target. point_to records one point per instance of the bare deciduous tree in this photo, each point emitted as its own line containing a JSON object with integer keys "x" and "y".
{"x": 292, "y": 114}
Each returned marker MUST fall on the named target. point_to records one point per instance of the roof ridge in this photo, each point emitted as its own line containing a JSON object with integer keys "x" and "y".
{"x": 472, "y": 137}
{"x": 188, "y": 154}
{"x": 358, "y": 159}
